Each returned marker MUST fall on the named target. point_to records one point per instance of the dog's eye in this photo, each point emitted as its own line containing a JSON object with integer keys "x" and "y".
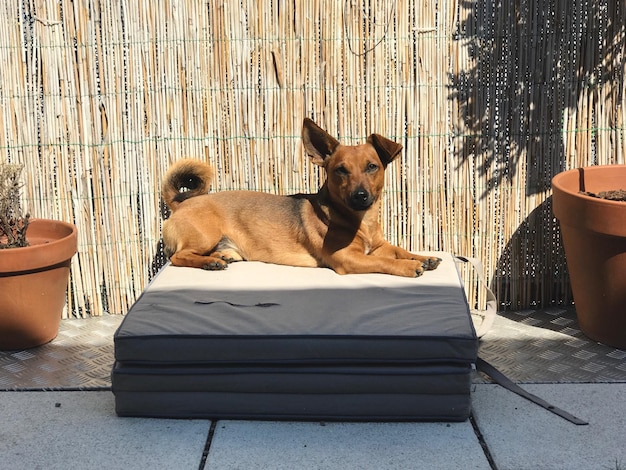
{"x": 371, "y": 168}
{"x": 341, "y": 171}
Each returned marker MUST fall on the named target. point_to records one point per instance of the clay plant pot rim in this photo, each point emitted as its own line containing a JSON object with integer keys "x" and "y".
{"x": 54, "y": 243}
{"x": 590, "y": 213}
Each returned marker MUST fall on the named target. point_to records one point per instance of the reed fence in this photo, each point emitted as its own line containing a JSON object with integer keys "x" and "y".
{"x": 489, "y": 99}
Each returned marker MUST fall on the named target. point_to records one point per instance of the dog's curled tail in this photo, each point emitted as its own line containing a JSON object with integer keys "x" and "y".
{"x": 185, "y": 179}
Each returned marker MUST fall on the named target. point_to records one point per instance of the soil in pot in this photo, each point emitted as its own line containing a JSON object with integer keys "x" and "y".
{"x": 613, "y": 195}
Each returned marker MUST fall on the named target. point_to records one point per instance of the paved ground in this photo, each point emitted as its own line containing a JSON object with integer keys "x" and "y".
{"x": 56, "y": 411}
{"x": 66, "y": 430}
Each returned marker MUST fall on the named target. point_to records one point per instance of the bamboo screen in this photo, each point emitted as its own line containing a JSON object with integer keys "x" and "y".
{"x": 489, "y": 99}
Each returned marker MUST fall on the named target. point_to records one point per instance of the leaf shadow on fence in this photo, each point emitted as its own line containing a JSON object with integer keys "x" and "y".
{"x": 544, "y": 86}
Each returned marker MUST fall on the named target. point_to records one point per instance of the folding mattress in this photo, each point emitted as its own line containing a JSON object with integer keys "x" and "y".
{"x": 263, "y": 341}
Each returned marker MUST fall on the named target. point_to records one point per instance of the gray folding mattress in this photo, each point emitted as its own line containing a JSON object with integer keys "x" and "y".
{"x": 263, "y": 341}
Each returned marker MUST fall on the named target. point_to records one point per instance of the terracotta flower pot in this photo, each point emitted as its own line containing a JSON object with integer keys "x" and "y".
{"x": 33, "y": 284}
{"x": 594, "y": 239}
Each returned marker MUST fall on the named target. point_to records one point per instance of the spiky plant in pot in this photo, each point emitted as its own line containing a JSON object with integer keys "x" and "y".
{"x": 13, "y": 221}
{"x": 34, "y": 273}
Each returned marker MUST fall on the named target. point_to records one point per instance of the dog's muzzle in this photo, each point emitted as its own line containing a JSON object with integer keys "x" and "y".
{"x": 360, "y": 200}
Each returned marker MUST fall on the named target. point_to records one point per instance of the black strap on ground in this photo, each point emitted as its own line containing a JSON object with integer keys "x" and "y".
{"x": 501, "y": 379}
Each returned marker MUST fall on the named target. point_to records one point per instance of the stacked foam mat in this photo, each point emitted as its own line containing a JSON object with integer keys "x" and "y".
{"x": 262, "y": 341}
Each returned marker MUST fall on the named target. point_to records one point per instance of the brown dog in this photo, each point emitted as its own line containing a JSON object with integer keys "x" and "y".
{"x": 336, "y": 228}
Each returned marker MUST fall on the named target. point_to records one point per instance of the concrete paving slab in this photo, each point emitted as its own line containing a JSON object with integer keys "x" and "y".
{"x": 290, "y": 445}
{"x": 521, "y": 435}
{"x": 63, "y": 430}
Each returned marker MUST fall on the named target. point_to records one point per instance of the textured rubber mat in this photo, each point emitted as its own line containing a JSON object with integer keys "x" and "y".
{"x": 546, "y": 346}
{"x": 79, "y": 358}
{"x": 539, "y": 346}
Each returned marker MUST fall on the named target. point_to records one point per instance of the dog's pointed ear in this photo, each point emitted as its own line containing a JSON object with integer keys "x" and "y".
{"x": 318, "y": 144}
{"x": 387, "y": 149}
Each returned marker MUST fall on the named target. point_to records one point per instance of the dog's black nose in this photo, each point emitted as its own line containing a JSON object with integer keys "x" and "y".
{"x": 360, "y": 200}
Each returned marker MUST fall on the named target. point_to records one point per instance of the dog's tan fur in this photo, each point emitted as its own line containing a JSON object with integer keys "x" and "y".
{"x": 337, "y": 227}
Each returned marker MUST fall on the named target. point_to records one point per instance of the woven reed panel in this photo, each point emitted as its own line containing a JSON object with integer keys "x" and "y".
{"x": 489, "y": 99}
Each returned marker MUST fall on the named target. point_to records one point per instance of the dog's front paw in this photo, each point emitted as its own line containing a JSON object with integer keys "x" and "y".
{"x": 431, "y": 263}
{"x": 215, "y": 266}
